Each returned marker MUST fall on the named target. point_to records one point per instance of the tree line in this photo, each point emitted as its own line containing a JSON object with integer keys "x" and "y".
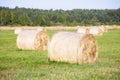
{"x": 40, "y": 17}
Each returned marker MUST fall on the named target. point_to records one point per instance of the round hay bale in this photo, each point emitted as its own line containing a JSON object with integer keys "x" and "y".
{"x": 96, "y": 31}
{"x": 73, "y": 48}
{"x": 18, "y": 30}
{"x": 84, "y": 30}
{"x": 41, "y": 29}
{"x": 103, "y": 28}
{"x": 32, "y": 40}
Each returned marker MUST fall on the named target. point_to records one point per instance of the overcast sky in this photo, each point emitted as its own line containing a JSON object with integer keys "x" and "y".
{"x": 62, "y": 4}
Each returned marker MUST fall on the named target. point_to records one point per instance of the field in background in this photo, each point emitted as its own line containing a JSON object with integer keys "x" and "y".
{"x": 17, "y": 64}
{"x": 56, "y": 27}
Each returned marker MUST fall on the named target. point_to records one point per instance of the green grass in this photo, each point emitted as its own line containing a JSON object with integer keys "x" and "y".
{"x": 17, "y": 64}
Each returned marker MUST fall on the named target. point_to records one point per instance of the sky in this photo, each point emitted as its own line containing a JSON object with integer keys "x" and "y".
{"x": 62, "y": 4}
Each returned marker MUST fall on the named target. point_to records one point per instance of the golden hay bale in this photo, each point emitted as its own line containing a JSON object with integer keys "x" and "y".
{"x": 73, "y": 48}
{"x": 18, "y": 30}
{"x": 32, "y": 40}
{"x": 84, "y": 30}
{"x": 96, "y": 31}
{"x": 41, "y": 29}
{"x": 103, "y": 28}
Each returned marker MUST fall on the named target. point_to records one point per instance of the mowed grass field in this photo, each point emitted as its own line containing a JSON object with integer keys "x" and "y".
{"x": 17, "y": 64}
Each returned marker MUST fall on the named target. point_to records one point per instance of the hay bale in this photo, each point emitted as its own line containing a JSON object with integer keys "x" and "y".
{"x": 96, "y": 31}
{"x": 84, "y": 30}
{"x": 18, "y": 30}
{"x": 103, "y": 28}
{"x": 32, "y": 40}
{"x": 41, "y": 29}
{"x": 73, "y": 48}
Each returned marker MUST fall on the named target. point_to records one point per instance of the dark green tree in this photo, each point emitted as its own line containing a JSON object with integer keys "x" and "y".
{"x": 14, "y": 18}
{"x": 25, "y": 20}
